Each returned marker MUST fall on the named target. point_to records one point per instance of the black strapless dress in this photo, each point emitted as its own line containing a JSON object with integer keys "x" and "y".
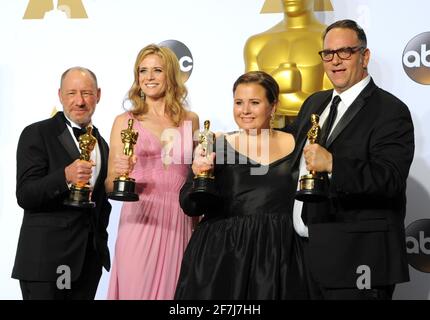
{"x": 245, "y": 246}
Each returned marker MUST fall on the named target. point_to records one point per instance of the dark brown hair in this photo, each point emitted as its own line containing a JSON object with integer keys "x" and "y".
{"x": 349, "y": 24}
{"x": 263, "y": 79}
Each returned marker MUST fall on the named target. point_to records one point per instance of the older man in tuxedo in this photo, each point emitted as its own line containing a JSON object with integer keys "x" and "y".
{"x": 62, "y": 249}
{"x": 354, "y": 240}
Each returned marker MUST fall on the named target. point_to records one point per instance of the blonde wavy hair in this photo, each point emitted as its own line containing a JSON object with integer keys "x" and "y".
{"x": 176, "y": 92}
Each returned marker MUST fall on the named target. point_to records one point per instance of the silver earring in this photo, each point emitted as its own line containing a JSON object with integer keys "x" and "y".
{"x": 142, "y": 94}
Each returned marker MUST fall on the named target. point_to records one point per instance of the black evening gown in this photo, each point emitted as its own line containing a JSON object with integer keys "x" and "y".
{"x": 245, "y": 247}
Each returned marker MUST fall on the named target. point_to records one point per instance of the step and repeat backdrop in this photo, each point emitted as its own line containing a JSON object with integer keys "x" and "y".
{"x": 42, "y": 38}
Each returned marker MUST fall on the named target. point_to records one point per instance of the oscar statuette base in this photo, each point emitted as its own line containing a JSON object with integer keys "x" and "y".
{"x": 80, "y": 197}
{"x": 204, "y": 190}
{"x": 312, "y": 188}
{"x": 123, "y": 190}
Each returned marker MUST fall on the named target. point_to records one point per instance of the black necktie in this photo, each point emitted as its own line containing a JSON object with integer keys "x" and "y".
{"x": 325, "y": 131}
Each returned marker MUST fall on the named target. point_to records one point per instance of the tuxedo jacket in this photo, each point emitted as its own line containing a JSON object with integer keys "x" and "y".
{"x": 53, "y": 234}
{"x": 361, "y": 224}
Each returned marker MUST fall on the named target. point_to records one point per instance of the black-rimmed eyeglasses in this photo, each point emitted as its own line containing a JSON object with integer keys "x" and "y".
{"x": 343, "y": 53}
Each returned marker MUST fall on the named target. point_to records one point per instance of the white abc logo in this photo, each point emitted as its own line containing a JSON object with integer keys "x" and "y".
{"x": 417, "y": 245}
{"x": 186, "y": 63}
{"x": 413, "y": 59}
{"x": 185, "y": 58}
{"x": 416, "y": 58}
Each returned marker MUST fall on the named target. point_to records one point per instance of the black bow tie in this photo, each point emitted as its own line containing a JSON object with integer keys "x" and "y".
{"x": 79, "y": 132}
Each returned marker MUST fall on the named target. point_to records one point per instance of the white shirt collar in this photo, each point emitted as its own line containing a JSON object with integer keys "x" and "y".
{"x": 352, "y": 93}
{"x": 73, "y": 124}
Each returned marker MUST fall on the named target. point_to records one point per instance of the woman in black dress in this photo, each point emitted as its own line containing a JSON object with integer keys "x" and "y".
{"x": 245, "y": 246}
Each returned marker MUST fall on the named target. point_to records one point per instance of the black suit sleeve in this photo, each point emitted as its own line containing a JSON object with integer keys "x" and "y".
{"x": 38, "y": 185}
{"x": 384, "y": 171}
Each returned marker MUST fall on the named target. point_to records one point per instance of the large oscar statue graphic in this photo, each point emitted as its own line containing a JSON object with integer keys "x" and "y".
{"x": 312, "y": 186}
{"x": 80, "y": 193}
{"x": 123, "y": 186}
{"x": 204, "y": 183}
{"x": 40, "y": 9}
{"x": 289, "y": 52}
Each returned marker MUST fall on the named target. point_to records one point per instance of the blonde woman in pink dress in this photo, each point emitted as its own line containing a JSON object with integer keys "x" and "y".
{"x": 153, "y": 232}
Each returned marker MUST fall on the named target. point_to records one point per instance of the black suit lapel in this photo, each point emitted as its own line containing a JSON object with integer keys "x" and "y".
{"x": 353, "y": 109}
{"x": 65, "y": 137}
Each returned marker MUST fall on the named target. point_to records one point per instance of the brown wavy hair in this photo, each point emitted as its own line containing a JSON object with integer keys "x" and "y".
{"x": 176, "y": 92}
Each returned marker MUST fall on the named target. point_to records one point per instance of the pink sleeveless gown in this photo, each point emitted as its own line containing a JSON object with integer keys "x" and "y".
{"x": 154, "y": 231}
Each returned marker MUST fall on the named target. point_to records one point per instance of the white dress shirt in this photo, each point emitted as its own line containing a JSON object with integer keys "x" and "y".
{"x": 347, "y": 97}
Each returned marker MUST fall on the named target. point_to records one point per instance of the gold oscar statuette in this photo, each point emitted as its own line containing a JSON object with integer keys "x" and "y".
{"x": 313, "y": 187}
{"x": 204, "y": 183}
{"x": 80, "y": 193}
{"x": 123, "y": 186}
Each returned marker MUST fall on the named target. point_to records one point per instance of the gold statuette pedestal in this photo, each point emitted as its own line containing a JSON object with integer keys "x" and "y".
{"x": 124, "y": 186}
{"x": 80, "y": 193}
{"x": 312, "y": 186}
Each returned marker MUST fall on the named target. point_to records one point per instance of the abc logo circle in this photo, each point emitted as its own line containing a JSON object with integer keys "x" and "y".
{"x": 418, "y": 244}
{"x": 416, "y": 58}
{"x": 184, "y": 56}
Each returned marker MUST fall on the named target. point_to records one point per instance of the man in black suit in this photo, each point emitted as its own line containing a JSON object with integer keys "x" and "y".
{"x": 354, "y": 241}
{"x": 61, "y": 249}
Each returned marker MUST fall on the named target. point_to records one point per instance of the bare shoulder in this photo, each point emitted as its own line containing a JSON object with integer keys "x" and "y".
{"x": 284, "y": 139}
{"x": 190, "y": 115}
{"x": 121, "y": 119}
{"x": 123, "y": 116}
{"x": 194, "y": 118}
{"x": 231, "y": 137}
{"x": 284, "y": 136}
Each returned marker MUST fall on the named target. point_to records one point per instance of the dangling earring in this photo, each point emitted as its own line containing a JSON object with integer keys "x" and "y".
{"x": 271, "y": 123}
{"x": 142, "y": 94}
